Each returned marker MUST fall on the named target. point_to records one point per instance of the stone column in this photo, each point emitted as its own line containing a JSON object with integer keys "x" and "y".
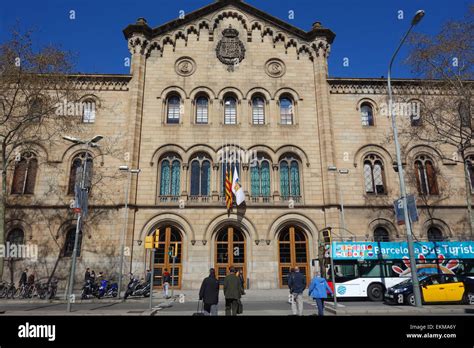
{"x": 276, "y": 182}
{"x": 215, "y": 182}
{"x": 246, "y": 180}
{"x": 184, "y": 182}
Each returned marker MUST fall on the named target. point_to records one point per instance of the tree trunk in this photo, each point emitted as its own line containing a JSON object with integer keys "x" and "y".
{"x": 3, "y": 195}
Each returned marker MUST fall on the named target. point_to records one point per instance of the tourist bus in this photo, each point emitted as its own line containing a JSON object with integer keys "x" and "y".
{"x": 367, "y": 269}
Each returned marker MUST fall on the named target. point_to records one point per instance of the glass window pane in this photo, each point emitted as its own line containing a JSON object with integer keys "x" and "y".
{"x": 195, "y": 179}
{"x": 202, "y": 110}
{"x": 286, "y": 111}
{"x": 230, "y": 111}
{"x": 173, "y": 109}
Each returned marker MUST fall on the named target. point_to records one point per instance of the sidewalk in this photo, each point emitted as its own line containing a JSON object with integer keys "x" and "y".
{"x": 343, "y": 309}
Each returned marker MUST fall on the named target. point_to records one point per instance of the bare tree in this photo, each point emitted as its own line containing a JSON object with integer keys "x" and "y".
{"x": 445, "y": 117}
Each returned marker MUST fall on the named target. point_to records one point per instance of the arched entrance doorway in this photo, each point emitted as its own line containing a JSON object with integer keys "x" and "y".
{"x": 230, "y": 251}
{"x": 292, "y": 252}
{"x": 169, "y": 236}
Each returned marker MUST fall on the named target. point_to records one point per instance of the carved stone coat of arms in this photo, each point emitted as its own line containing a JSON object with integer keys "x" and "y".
{"x": 230, "y": 50}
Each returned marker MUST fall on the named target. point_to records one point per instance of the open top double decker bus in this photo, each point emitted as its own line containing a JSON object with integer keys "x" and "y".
{"x": 367, "y": 269}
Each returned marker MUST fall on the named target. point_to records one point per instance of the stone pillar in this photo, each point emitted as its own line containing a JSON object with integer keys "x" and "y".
{"x": 215, "y": 182}
{"x": 246, "y": 180}
{"x": 184, "y": 182}
{"x": 321, "y": 48}
{"x": 276, "y": 182}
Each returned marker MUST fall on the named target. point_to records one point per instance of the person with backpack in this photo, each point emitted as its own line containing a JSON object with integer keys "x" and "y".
{"x": 318, "y": 290}
{"x": 209, "y": 293}
{"x": 297, "y": 284}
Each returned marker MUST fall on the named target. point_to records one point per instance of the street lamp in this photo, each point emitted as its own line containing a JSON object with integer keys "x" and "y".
{"x": 342, "y": 172}
{"x": 124, "y": 229}
{"x": 416, "y": 288}
{"x": 92, "y": 143}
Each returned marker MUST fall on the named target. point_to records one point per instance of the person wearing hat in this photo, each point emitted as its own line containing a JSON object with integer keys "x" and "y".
{"x": 209, "y": 293}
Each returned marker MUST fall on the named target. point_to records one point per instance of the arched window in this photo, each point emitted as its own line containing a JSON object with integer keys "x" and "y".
{"x": 260, "y": 177}
{"x": 367, "y": 114}
{"x": 381, "y": 235}
{"x": 24, "y": 175}
{"x": 470, "y": 170}
{"x": 286, "y": 110}
{"x": 76, "y": 170}
{"x": 230, "y": 110}
{"x": 415, "y": 113}
{"x": 425, "y": 176}
{"x": 434, "y": 234}
{"x": 173, "y": 109}
{"x": 202, "y": 110}
{"x": 289, "y": 178}
{"x": 16, "y": 237}
{"x": 258, "y": 110}
{"x": 200, "y": 176}
{"x": 69, "y": 242}
{"x": 88, "y": 111}
{"x": 374, "y": 175}
{"x": 170, "y": 173}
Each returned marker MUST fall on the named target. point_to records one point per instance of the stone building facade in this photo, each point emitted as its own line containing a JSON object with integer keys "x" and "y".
{"x": 230, "y": 79}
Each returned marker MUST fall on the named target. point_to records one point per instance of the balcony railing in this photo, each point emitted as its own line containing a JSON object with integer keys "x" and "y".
{"x": 168, "y": 199}
{"x": 296, "y": 199}
{"x": 199, "y": 199}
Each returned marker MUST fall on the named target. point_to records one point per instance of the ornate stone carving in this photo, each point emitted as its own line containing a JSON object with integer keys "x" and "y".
{"x": 275, "y": 68}
{"x": 230, "y": 50}
{"x": 185, "y": 66}
{"x": 322, "y": 48}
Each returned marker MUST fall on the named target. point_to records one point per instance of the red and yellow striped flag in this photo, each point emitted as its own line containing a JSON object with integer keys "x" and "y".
{"x": 228, "y": 189}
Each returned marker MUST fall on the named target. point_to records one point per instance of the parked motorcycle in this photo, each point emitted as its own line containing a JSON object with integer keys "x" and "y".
{"x": 107, "y": 289}
{"x": 137, "y": 288}
{"x": 89, "y": 290}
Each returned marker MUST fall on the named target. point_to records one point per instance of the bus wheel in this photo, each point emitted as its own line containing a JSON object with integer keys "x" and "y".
{"x": 375, "y": 292}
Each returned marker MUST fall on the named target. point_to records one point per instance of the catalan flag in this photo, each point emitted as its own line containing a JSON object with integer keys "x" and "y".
{"x": 228, "y": 189}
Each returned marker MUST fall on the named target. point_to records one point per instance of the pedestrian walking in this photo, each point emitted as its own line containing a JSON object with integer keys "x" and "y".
{"x": 87, "y": 275}
{"x": 148, "y": 276}
{"x": 297, "y": 284}
{"x": 166, "y": 282}
{"x": 209, "y": 293}
{"x": 233, "y": 291}
{"x": 290, "y": 276}
{"x": 23, "y": 278}
{"x": 318, "y": 290}
{"x": 240, "y": 275}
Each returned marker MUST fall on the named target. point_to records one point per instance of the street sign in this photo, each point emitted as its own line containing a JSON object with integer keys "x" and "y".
{"x": 412, "y": 211}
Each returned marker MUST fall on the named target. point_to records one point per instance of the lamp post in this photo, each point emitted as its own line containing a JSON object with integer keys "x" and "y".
{"x": 416, "y": 288}
{"x": 125, "y": 223}
{"x": 92, "y": 143}
{"x": 340, "y": 172}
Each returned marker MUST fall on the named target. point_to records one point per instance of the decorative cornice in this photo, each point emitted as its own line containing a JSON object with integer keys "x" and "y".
{"x": 141, "y": 27}
{"x": 379, "y": 86}
{"x": 102, "y": 82}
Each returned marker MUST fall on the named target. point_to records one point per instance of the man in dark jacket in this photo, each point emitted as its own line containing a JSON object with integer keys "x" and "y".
{"x": 233, "y": 290}
{"x": 23, "y": 278}
{"x": 297, "y": 284}
{"x": 87, "y": 275}
{"x": 209, "y": 293}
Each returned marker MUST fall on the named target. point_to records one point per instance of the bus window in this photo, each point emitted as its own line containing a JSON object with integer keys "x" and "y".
{"x": 373, "y": 269}
{"x": 344, "y": 272}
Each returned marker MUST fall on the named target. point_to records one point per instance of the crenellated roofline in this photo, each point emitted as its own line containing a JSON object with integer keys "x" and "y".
{"x": 141, "y": 27}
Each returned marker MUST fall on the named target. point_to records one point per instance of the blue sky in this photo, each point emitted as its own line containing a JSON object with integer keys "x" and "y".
{"x": 367, "y": 31}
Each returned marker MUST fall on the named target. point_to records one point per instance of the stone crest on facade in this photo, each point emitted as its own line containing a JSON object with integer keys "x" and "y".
{"x": 185, "y": 66}
{"x": 230, "y": 50}
{"x": 275, "y": 68}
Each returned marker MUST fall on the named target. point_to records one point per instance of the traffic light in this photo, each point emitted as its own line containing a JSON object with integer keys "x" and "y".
{"x": 157, "y": 238}
{"x": 326, "y": 234}
{"x": 149, "y": 242}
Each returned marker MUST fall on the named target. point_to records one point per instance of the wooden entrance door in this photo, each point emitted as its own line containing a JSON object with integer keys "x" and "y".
{"x": 230, "y": 251}
{"x": 168, "y": 237}
{"x": 292, "y": 252}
